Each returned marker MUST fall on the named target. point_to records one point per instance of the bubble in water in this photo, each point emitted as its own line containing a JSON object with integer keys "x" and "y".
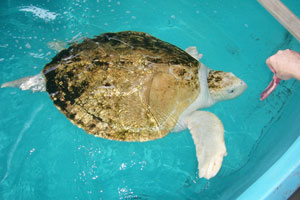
{"x": 123, "y": 166}
{"x": 31, "y": 151}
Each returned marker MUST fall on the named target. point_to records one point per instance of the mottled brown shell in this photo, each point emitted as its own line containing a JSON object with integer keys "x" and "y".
{"x": 127, "y": 86}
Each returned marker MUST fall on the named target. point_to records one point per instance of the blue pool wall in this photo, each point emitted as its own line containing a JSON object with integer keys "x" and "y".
{"x": 275, "y": 168}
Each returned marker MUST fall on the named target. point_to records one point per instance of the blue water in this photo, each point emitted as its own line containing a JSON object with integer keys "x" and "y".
{"x": 44, "y": 156}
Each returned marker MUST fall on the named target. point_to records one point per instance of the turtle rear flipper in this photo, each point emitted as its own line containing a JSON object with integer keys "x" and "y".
{"x": 59, "y": 45}
{"x": 35, "y": 83}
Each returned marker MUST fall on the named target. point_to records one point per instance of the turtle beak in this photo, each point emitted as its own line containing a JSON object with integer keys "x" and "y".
{"x": 271, "y": 87}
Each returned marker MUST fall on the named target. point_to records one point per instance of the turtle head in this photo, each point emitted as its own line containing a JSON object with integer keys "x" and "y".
{"x": 224, "y": 85}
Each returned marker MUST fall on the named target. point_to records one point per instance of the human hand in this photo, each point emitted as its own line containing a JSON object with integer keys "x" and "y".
{"x": 285, "y": 65}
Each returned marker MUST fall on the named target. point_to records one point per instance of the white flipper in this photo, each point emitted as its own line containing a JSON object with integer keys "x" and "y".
{"x": 194, "y": 52}
{"x": 35, "y": 83}
{"x": 208, "y": 134}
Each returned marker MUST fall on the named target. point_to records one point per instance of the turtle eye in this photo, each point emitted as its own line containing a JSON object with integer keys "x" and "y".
{"x": 230, "y": 91}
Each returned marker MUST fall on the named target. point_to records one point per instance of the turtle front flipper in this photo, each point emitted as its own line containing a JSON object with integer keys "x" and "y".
{"x": 35, "y": 83}
{"x": 208, "y": 134}
{"x": 194, "y": 52}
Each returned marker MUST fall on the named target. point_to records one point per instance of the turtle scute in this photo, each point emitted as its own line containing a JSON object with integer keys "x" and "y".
{"x": 127, "y": 86}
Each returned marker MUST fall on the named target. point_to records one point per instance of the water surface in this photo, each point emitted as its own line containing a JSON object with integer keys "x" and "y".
{"x": 44, "y": 156}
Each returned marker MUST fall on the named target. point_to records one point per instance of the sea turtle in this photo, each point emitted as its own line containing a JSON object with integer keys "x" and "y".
{"x": 131, "y": 86}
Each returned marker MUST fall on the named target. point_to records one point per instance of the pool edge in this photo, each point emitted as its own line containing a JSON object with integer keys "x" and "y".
{"x": 279, "y": 179}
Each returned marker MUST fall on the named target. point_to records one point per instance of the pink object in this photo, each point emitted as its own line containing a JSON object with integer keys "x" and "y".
{"x": 271, "y": 87}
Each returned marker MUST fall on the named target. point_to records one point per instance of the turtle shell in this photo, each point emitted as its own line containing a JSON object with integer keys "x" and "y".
{"x": 127, "y": 86}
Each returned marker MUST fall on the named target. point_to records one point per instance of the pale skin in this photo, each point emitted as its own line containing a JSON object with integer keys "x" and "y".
{"x": 285, "y": 64}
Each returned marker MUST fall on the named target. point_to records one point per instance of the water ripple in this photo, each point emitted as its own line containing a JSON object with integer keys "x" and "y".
{"x": 20, "y": 136}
